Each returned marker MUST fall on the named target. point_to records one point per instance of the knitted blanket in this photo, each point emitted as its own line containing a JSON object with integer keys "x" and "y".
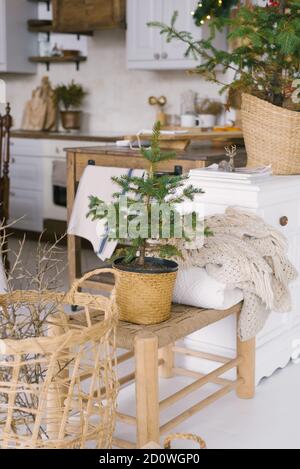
{"x": 247, "y": 253}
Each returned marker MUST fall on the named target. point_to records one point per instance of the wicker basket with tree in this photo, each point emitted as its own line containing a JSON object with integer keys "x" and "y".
{"x": 265, "y": 66}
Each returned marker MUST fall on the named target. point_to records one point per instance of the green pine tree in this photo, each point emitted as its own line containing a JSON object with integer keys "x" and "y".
{"x": 266, "y": 61}
{"x": 148, "y": 192}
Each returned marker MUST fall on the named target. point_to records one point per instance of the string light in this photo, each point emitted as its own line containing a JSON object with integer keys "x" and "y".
{"x": 208, "y": 9}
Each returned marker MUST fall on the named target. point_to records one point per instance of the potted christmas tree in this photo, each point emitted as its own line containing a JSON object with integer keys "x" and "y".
{"x": 265, "y": 66}
{"x": 147, "y": 221}
{"x": 71, "y": 97}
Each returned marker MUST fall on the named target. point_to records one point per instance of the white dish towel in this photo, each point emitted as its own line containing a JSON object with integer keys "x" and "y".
{"x": 96, "y": 181}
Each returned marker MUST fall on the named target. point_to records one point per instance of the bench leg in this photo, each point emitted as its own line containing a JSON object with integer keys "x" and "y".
{"x": 246, "y": 370}
{"x": 167, "y": 355}
{"x": 146, "y": 383}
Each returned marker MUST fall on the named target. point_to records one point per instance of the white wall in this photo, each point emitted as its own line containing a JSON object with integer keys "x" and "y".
{"x": 117, "y": 99}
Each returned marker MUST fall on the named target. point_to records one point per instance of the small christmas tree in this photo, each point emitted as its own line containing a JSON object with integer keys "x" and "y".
{"x": 144, "y": 196}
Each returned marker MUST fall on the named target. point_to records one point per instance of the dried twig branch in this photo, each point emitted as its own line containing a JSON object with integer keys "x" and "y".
{"x": 21, "y": 320}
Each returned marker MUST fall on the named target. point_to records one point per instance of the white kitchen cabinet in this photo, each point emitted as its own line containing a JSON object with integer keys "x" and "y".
{"x": 31, "y": 194}
{"x": 27, "y": 208}
{"x": 272, "y": 199}
{"x": 146, "y": 48}
{"x": 26, "y": 185}
{"x": 16, "y": 42}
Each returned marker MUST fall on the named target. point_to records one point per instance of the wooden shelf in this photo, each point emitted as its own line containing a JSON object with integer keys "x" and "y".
{"x": 45, "y": 26}
{"x": 58, "y": 60}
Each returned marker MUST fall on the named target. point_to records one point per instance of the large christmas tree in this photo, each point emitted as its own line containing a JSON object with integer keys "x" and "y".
{"x": 266, "y": 59}
{"x": 208, "y": 9}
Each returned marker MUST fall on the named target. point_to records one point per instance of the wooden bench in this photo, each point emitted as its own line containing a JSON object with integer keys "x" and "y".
{"x": 153, "y": 350}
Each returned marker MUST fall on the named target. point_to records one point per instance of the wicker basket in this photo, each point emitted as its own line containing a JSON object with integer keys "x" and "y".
{"x": 144, "y": 298}
{"x": 184, "y": 436}
{"x": 272, "y": 135}
{"x": 176, "y": 436}
{"x": 72, "y": 403}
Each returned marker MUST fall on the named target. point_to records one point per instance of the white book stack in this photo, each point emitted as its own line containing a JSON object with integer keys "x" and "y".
{"x": 241, "y": 175}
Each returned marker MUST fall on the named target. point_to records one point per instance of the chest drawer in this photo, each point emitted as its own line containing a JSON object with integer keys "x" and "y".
{"x": 283, "y": 216}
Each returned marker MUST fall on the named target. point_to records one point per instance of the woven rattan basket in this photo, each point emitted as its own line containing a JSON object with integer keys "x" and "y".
{"x": 72, "y": 403}
{"x": 144, "y": 298}
{"x": 184, "y": 436}
{"x": 177, "y": 436}
{"x": 272, "y": 135}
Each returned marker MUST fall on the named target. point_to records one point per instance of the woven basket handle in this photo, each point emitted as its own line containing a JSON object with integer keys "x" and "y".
{"x": 77, "y": 284}
{"x": 184, "y": 436}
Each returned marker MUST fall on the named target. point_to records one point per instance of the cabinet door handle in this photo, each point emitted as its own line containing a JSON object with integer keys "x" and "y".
{"x": 284, "y": 221}
{"x": 156, "y": 56}
{"x": 164, "y": 55}
{"x": 13, "y": 160}
{"x": 12, "y": 194}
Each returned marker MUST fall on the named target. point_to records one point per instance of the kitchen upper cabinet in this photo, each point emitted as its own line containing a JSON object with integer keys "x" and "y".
{"x": 146, "y": 48}
{"x": 143, "y": 43}
{"x": 16, "y": 43}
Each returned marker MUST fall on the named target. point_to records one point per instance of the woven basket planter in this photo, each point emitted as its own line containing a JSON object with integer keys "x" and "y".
{"x": 72, "y": 403}
{"x": 145, "y": 298}
{"x": 272, "y": 136}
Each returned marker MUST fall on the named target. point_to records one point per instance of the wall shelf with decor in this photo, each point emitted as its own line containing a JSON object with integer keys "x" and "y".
{"x": 58, "y": 60}
{"x": 46, "y": 26}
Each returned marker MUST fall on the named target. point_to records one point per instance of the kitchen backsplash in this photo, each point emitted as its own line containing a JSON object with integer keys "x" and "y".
{"x": 118, "y": 98}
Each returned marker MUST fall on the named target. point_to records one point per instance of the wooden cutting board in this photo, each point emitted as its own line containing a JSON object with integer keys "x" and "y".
{"x": 182, "y": 141}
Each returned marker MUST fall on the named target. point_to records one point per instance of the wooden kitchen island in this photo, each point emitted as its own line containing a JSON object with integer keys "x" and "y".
{"x": 196, "y": 156}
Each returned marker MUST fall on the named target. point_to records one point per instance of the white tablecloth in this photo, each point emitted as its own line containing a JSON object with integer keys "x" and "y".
{"x": 96, "y": 181}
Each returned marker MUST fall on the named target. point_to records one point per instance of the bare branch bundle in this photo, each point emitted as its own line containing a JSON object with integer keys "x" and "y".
{"x": 23, "y": 319}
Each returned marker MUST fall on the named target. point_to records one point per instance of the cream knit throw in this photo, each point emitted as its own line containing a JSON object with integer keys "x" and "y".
{"x": 246, "y": 253}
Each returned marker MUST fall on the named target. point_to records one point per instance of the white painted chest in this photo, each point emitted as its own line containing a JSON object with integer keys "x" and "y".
{"x": 277, "y": 200}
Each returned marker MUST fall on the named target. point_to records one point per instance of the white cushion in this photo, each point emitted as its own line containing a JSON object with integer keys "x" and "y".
{"x": 194, "y": 287}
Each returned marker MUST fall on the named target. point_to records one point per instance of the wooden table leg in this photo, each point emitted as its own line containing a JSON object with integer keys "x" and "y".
{"x": 146, "y": 383}
{"x": 167, "y": 355}
{"x": 74, "y": 243}
{"x": 246, "y": 370}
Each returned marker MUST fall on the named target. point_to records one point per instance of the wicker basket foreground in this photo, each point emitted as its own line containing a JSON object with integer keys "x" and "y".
{"x": 144, "y": 298}
{"x": 272, "y": 135}
{"x": 71, "y": 403}
{"x": 184, "y": 436}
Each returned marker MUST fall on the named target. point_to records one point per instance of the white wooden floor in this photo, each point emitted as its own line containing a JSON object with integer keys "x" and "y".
{"x": 271, "y": 420}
